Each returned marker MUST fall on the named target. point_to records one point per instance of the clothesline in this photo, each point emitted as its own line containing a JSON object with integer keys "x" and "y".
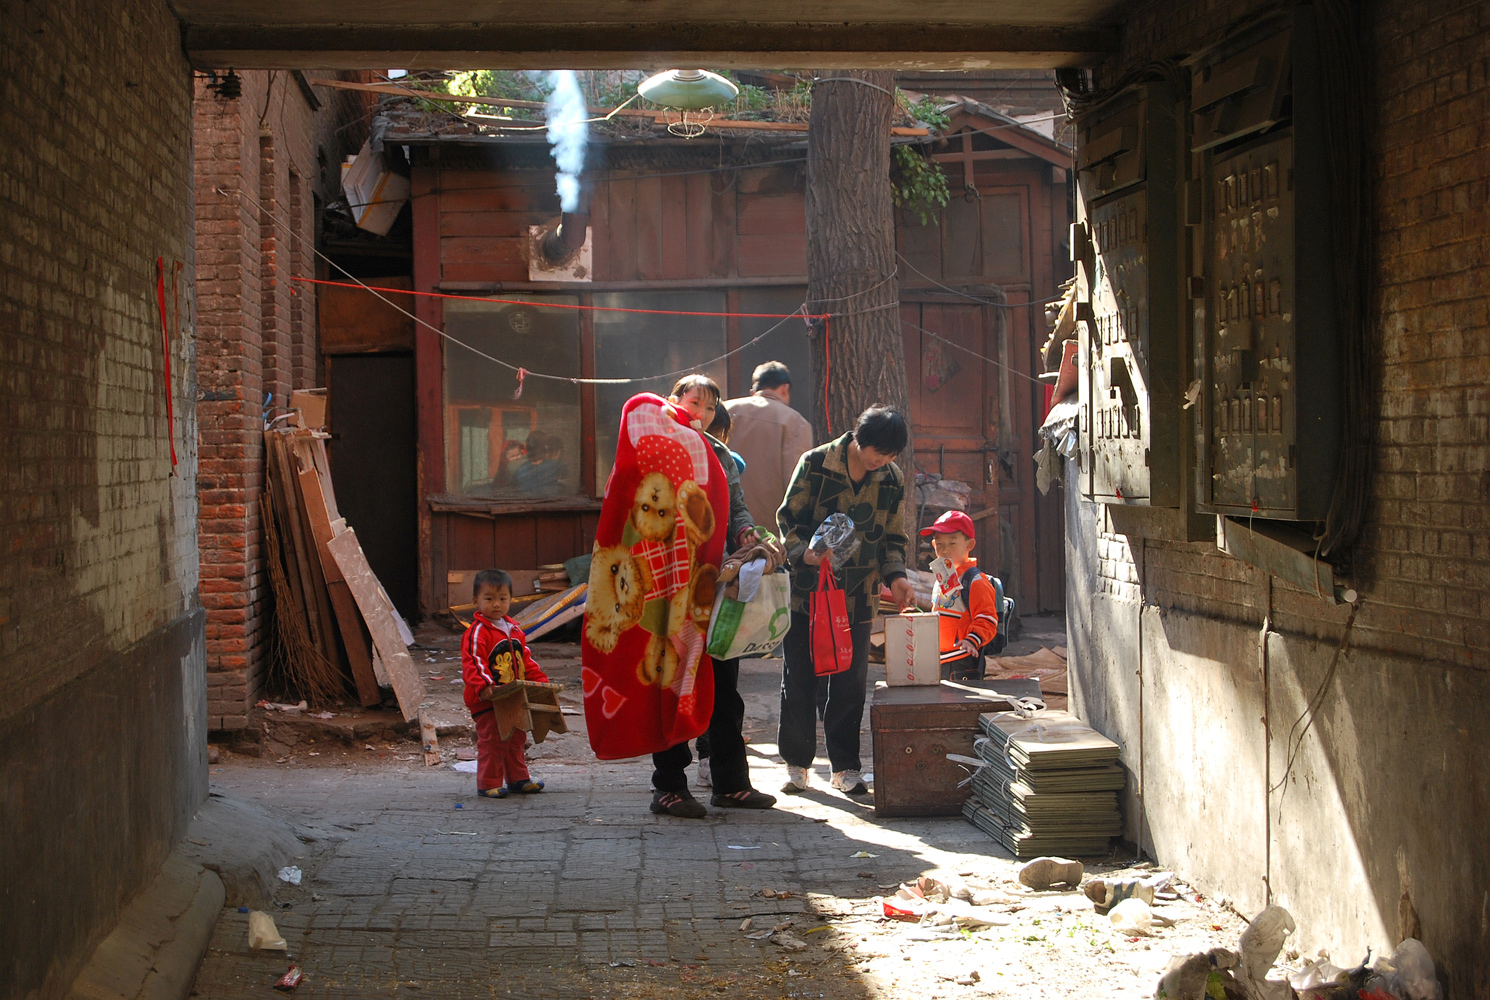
{"x": 563, "y": 305}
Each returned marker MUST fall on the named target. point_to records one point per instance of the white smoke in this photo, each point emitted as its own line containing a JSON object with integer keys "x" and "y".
{"x": 567, "y": 133}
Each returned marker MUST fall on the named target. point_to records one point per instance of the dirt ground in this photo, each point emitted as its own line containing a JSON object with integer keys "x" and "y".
{"x": 658, "y": 906}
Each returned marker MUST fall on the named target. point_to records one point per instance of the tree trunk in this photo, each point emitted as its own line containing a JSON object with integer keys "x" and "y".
{"x": 851, "y": 253}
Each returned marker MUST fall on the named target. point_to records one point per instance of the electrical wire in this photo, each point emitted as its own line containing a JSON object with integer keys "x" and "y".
{"x": 574, "y": 380}
{"x": 974, "y": 298}
{"x": 968, "y": 350}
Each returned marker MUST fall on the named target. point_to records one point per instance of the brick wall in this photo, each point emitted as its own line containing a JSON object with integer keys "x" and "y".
{"x": 1424, "y": 559}
{"x": 95, "y": 184}
{"x": 258, "y": 338}
{"x": 102, "y": 708}
{"x": 1345, "y": 818}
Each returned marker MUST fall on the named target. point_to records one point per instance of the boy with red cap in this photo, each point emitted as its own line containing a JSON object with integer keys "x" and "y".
{"x": 964, "y": 599}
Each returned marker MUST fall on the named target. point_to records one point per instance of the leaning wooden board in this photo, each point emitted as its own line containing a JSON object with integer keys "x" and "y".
{"x": 914, "y": 730}
{"x": 354, "y": 641}
{"x": 382, "y": 621}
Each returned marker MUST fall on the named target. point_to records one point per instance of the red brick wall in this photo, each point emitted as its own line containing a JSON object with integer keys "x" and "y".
{"x": 257, "y": 338}
{"x": 1424, "y": 558}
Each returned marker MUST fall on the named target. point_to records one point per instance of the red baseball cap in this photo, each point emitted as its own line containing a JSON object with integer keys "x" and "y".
{"x": 952, "y": 520}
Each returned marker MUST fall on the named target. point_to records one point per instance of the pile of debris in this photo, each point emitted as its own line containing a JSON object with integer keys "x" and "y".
{"x": 1048, "y": 784}
{"x": 1243, "y": 974}
{"x": 335, "y": 625}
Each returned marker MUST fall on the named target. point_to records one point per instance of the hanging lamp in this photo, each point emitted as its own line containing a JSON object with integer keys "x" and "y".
{"x": 685, "y": 90}
{"x": 688, "y": 89}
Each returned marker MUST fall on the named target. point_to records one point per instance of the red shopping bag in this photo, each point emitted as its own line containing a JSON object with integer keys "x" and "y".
{"x": 832, "y": 646}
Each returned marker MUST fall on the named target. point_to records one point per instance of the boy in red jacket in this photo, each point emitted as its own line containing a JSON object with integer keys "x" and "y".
{"x": 492, "y": 652}
{"x": 966, "y": 602}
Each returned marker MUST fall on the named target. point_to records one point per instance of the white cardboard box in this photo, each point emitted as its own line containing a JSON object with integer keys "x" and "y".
{"x": 912, "y": 653}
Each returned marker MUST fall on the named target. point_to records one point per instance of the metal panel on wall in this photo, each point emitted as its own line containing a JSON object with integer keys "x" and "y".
{"x": 1126, "y": 242}
{"x": 1271, "y": 436}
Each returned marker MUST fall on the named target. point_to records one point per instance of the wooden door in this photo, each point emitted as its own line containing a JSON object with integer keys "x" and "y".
{"x": 955, "y": 402}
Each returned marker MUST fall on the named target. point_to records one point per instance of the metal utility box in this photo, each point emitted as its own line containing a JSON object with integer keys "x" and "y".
{"x": 1268, "y": 354}
{"x": 1126, "y": 245}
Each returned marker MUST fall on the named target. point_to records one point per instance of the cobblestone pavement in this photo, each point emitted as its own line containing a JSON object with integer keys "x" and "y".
{"x": 423, "y": 889}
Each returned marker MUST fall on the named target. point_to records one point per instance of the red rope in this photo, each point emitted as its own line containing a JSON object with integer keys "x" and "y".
{"x": 165, "y": 343}
{"x": 552, "y": 305}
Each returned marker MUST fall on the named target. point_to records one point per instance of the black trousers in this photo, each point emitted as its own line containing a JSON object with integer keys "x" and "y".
{"x": 728, "y": 767}
{"x": 843, "y": 712}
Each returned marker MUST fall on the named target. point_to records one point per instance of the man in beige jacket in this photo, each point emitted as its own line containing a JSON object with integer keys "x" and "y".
{"x": 770, "y": 436}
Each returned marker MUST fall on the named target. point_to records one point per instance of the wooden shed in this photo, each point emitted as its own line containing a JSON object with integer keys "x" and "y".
{"x": 705, "y": 226}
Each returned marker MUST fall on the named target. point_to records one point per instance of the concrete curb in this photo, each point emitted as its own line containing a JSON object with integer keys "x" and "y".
{"x": 155, "y": 949}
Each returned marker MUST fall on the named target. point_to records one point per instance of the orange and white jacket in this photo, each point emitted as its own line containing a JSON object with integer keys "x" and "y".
{"x": 967, "y": 607}
{"x": 494, "y": 653}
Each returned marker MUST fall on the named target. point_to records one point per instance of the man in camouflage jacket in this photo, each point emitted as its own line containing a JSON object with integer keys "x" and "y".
{"x": 854, "y": 475}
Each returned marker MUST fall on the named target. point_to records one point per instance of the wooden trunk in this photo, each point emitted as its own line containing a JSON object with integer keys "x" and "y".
{"x": 914, "y": 730}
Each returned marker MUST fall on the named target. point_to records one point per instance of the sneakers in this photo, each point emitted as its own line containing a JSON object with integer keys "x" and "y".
{"x": 748, "y": 799}
{"x": 797, "y": 780}
{"x": 500, "y": 792}
{"x": 704, "y": 779}
{"x": 850, "y": 783}
{"x": 679, "y": 804}
{"x": 528, "y": 786}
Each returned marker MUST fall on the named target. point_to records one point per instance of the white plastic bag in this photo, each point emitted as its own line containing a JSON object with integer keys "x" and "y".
{"x": 262, "y": 933}
{"x": 755, "y": 625}
{"x": 1260, "y": 944}
{"x": 1132, "y": 918}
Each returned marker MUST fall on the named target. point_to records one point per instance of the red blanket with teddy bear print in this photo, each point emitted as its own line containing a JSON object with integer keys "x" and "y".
{"x": 647, "y": 681}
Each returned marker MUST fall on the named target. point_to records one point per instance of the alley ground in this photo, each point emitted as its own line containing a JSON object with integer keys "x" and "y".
{"x": 417, "y": 887}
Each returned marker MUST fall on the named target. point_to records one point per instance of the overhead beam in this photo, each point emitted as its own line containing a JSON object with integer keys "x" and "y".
{"x": 661, "y": 45}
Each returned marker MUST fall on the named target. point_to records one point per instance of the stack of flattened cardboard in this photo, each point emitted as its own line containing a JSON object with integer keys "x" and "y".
{"x": 335, "y": 621}
{"x": 1048, "y": 786}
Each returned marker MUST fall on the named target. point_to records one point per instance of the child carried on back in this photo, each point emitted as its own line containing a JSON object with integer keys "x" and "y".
{"x": 493, "y": 652}
{"x": 965, "y": 602}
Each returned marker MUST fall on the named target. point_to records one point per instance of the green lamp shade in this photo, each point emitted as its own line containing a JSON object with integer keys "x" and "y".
{"x": 688, "y": 89}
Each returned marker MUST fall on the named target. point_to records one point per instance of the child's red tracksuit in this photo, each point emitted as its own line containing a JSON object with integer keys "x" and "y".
{"x": 496, "y": 653}
{"x": 968, "y": 609}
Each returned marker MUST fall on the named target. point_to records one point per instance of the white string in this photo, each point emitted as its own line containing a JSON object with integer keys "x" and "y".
{"x": 799, "y": 311}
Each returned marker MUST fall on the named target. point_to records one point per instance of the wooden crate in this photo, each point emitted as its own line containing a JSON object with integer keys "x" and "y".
{"x": 914, "y": 730}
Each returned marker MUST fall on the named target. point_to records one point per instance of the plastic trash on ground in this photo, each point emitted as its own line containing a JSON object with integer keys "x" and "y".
{"x": 1132, "y": 918}
{"x": 1260, "y": 944}
{"x": 291, "y": 874}
{"x": 262, "y": 934}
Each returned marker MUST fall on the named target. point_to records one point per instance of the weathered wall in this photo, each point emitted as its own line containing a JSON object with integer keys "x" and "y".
{"x": 102, "y": 711}
{"x": 257, "y": 174}
{"x": 1388, "y": 791}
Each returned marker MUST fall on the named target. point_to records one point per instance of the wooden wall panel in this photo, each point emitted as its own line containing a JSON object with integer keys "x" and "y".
{"x": 700, "y": 230}
{"x": 620, "y": 193}
{"x": 673, "y": 224}
{"x": 648, "y": 235}
{"x": 351, "y": 321}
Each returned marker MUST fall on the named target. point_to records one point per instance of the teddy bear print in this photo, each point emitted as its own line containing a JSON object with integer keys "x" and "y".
{"x": 617, "y": 594}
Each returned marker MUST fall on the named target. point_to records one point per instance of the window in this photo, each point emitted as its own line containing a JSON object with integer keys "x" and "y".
{"x": 498, "y": 446}
{"x": 637, "y": 345}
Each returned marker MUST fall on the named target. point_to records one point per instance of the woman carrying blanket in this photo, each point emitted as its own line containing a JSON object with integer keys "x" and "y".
{"x": 673, "y": 507}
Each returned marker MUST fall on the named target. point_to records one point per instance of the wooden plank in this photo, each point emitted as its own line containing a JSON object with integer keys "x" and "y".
{"x": 292, "y": 531}
{"x": 352, "y": 320}
{"x": 429, "y": 375}
{"x": 381, "y": 618}
{"x": 674, "y": 226}
{"x": 429, "y": 737}
{"x": 649, "y": 228}
{"x": 317, "y": 604}
{"x": 700, "y": 220}
{"x": 353, "y": 639}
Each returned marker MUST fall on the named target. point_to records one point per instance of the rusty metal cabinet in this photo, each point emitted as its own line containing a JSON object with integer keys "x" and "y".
{"x": 914, "y": 730}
